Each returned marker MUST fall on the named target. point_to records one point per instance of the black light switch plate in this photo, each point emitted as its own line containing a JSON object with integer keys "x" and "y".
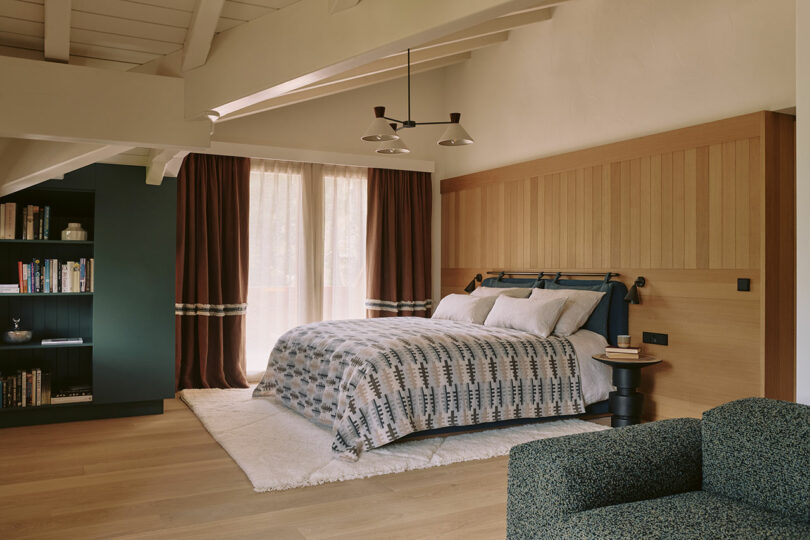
{"x": 743, "y": 284}
{"x": 656, "y": 339}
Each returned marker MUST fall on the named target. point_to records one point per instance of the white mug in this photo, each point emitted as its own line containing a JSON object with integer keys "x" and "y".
{"x": 623, "y": 340}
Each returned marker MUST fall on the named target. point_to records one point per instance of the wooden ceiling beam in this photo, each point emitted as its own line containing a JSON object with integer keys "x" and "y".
{"x": 163, "y": 162}
{"x": 344, "y": 86}
{"x": 57, "y": 30}
{"x": 95, "y": 105}
{"x": 201, "y": 33}
{"x": 494, "y": 26}
{"x": 418, "y": 55}
{"x": 26, "y": 163}
{"x": 304, "y": 43}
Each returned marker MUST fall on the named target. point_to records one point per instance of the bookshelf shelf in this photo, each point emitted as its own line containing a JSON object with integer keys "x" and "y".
{"x": 48, "y": 294}
{"x": 60, "y": 242}
{"x": 50, "y": 406}
{"x": 32, "y": 345}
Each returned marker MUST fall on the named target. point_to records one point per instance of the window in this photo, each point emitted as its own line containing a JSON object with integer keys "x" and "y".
{"x": 307, "y": 249}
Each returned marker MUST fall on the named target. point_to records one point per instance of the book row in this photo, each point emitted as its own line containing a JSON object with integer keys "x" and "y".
{"x": 33, "y": 222}
{"x": 32, "y": 388}
{"x": 53, "y": 276}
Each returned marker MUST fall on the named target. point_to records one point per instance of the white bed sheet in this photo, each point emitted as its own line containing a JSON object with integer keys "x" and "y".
{"x": 596, "y": 376}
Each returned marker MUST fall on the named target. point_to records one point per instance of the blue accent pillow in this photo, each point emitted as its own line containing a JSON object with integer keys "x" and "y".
{"x": 598, "y": 321}
{"x": 505, "y": 283}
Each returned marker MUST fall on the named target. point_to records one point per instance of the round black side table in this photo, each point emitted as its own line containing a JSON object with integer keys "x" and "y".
{"x": 625, "y": 403}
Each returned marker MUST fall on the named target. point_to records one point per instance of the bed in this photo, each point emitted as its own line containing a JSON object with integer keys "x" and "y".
{"x": 375, "y": 381}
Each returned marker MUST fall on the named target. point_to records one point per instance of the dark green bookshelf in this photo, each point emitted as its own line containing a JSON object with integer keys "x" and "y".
{"x": 65, "y": 242}
{"x": 37, "y": 345}
{"x": 50, "y": 406}
{"x": 128, "y": 322}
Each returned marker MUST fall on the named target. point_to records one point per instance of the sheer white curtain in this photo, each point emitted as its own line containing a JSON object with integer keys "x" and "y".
{"x": 344, "y": 242}
{"x": 307, "y": 249}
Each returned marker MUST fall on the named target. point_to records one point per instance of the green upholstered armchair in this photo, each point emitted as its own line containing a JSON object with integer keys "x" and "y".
{"x": 741, "y": 472}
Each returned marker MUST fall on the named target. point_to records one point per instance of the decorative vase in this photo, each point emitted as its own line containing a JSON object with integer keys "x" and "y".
{"x": 16, "y": 335}
{"x": 74, "y": 231}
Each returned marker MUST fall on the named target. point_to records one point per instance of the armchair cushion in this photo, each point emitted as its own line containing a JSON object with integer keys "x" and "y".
{"x": 696, "y": 514}
{"x": 551, "y": 479}
{"x": 755, "y": 450}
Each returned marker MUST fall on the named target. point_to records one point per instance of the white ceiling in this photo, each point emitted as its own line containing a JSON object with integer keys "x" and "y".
{"x": 117, "y": 34}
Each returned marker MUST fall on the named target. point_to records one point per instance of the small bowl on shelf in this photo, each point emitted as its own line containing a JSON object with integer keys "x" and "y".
{"x": 17, "y": 336}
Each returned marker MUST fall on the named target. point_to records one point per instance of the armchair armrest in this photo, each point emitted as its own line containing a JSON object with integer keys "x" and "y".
{"x": 550, "y": 479}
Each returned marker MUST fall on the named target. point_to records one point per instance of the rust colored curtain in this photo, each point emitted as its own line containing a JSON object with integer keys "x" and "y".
{"x": 398, "y": 243}
{"x": 212, "y": 271}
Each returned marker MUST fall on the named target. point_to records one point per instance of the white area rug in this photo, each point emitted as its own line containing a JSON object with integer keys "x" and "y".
{"x": 278, "y": 449}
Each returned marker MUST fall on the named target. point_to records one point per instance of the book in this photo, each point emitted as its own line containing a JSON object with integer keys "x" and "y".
{"x": 623, "y": 350}
{"x": 622, "y": 356}
{"x": 80, "y": 398}
{"x": 62, "y": 341}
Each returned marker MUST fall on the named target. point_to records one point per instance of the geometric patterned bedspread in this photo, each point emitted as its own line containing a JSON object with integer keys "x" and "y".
{"x": 373, "y": 381}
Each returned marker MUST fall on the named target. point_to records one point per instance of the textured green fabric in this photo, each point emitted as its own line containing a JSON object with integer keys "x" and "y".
{"x": 757, "y": 451}
{"x": 551, "y": 479}
{"x": 697, "y": 514}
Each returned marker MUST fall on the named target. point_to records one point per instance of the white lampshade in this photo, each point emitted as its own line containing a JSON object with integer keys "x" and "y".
{"x": 393, "y": 147}
{"x": 455, "y": 135}
{"x": 380, "y": 130}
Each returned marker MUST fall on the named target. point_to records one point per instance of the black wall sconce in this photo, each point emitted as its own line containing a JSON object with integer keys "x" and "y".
{"x": 632, "y": 295}
{"x": 471, "y": 285}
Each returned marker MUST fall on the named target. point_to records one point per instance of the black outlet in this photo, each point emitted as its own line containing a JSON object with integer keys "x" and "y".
{"x": 656, "y": 339}
{"x": 743, "y": 284}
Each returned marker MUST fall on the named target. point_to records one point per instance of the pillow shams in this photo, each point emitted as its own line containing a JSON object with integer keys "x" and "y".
{"x": 514, "y": 292}
{"x": 578, "y": 307}
{"x": 534, "y": 316}
{"x": 464, "y": 308}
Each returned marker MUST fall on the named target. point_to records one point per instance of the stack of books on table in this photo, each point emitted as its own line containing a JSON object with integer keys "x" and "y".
{"x": 623, "y": 353}
{"x": 6, "y": 288}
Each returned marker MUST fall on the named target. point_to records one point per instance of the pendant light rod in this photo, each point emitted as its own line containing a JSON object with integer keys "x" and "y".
{"x": 380, "y": 131}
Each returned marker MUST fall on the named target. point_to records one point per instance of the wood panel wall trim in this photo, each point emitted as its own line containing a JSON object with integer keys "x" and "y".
{"x": 718, "y": 132}
{"x": 691, "y": 210}
{"x": 778, "y": 244}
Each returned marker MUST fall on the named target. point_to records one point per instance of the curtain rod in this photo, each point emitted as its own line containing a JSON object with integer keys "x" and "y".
{"x": 539, "y": 273}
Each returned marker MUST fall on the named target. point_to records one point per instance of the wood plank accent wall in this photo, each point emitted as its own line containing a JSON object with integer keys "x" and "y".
{"x": 692, "y": 210}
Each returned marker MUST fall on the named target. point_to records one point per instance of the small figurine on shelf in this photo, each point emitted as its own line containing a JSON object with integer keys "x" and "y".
{"x": 74, "y": 231}
{"x": 16, "y": 335}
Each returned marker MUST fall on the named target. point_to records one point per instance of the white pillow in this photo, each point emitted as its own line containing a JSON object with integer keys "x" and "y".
{"x": 464, "y": 308}
{"x": 535, "y": 316}
{"x": 578, "y": 307}
{"x": 514, "y": 292}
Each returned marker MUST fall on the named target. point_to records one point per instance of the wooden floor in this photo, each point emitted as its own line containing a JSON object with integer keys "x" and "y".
{"x": 165, "y": 477}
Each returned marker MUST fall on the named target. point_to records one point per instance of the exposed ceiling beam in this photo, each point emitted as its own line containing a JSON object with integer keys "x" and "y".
{"x": 345, "y": 85}
{"x": 162, "y": 163}
{"x": 26, "y": 163}
{"x": 51, "y": 101}
{"x": 420, "y": 54}
{"x": 201, "y": 32}
{"x": 303, "y": 43}
{"x": 499, "y": 24}
{"x": 57, "y": 30}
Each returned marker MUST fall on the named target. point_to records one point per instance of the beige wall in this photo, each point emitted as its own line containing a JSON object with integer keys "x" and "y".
{"x": 606, "y": 70}
{"x": 803, "y": 201}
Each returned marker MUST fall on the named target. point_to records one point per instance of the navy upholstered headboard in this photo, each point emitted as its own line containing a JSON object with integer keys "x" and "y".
{"x": 610, "y": 318}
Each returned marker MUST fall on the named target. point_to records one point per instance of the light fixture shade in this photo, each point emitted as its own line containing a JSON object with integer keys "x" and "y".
{"x": 380, "y": 129}
{"x": 455, "y": 135}
{"x": 393, "y": 147}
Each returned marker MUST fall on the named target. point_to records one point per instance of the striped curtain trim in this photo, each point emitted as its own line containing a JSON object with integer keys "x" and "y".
{"x": 396, "y": 307}
{"x": 210, "y": 310}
